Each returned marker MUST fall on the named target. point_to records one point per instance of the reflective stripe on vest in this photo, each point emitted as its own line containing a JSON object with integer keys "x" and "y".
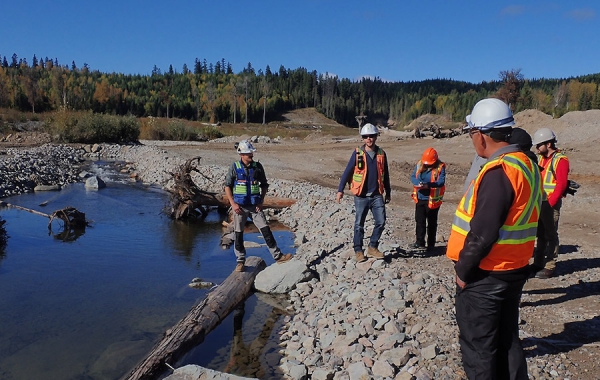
{"x": 359, "y": 176}
{"x": 548, "y": 174}
{"x": 242, "y": 193}
{"x": 436, "y": 194}
{"x": 516, "y": 238}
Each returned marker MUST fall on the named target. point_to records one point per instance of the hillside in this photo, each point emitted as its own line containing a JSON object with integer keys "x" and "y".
{"x": 308, "y": 117}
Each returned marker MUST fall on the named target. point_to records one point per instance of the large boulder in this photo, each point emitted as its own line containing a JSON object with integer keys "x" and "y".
{"x": 194, "y": 372}
{"x": 94, "y": 183}
{"x": 281, "y": 278}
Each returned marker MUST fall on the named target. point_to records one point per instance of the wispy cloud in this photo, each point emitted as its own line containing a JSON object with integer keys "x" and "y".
{"x": 512, "y": 10}
{"x": 582, "y": 14}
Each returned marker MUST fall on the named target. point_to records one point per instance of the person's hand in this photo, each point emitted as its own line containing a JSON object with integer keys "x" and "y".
{"x": 388, "y": 198}
{"x": 339, "y": 196}
{"x": 236, "y": 208}
{"x": 259, "y": 207}
{"x": 461, "y": 284}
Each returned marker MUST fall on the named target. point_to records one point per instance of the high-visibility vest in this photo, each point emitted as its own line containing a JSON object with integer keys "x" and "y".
{"x": 436, "y": 194}
{"x": 516, "y": 237}
{"x": 359, "y": 177}
{"x": 246, "y": 190}
{"x": 549, "y": 171}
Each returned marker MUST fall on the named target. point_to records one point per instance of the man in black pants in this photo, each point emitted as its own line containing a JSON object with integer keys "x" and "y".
{"x": 491, "y": 242}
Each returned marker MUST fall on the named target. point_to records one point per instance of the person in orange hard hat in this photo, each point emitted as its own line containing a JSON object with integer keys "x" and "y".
{"x": 428, "y": 179}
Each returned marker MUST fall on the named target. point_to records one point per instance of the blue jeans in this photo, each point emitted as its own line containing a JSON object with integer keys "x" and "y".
{"x": 362, "y": 206}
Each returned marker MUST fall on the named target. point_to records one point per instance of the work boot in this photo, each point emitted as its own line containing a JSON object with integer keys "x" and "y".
{"x": 374, "y": 253}
{"x": 416, "y": 246}
{"x": 239, "y": 267}
{"x": 544, "y": 274}
{"x": 284, "y": 258}
{"x": 360, "y": 257}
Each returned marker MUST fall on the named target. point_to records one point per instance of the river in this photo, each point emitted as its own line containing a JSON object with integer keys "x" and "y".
{"x": 91, "y": 305}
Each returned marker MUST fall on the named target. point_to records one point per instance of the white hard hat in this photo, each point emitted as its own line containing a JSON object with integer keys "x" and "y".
{"x": 245, "y": 147}
{"x": 468, "y": 120}
{"x": 368, "y": 129}
{"x": 543, "y": 135}
{"x": 490, "y": 113}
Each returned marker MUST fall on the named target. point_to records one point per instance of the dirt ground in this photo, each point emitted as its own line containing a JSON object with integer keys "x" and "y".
{"x": 560, "y": 315}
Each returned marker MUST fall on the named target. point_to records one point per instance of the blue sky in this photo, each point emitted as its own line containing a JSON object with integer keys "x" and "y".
{"x": 395, "y": 40}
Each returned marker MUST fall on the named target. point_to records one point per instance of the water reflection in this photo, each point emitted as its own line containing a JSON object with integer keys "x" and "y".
{"x": 247, "y": 359}
{"x": 252, "y": 349}
{"x": 68, "y": 235}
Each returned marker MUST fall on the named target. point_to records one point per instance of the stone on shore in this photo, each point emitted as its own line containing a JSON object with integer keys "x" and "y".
{"x": 281, "y": 278}
{"x": 94, "y": 183}
{"x": 47, "y": 188}
{"x": 194, "y": 372}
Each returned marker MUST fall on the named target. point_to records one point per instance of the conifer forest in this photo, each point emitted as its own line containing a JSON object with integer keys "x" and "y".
{"x": 214, "y": 92}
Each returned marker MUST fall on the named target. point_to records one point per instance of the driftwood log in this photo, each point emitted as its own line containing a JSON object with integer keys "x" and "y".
{"x": 188, "y": 200}
{"x": 201, "y": 319}
{"x": 71, "y": 217}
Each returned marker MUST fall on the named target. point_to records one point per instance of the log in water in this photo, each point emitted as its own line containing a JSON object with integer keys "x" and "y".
{"x": 201, "y": 319}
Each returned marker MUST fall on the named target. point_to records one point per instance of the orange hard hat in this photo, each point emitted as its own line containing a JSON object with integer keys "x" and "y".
{"x": 430, "y": 156}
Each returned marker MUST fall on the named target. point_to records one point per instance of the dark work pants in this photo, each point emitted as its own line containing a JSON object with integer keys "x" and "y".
{"x": 426, "y": 220}
{"x": 487, "y": 313}
{"x": 547, "y": 236}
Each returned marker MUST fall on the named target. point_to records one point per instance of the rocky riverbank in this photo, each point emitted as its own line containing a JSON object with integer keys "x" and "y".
{"x": 386, "y": 319}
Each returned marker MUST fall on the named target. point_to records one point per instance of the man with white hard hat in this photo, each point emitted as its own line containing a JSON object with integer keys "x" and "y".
{"x": 368, "y": 176}
{"x": 245, "y": 187}
{"x": 555, "y": 176}
{"x": 491, "y": 242}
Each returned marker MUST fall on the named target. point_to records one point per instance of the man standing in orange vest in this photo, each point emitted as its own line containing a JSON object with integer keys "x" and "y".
{"x": 367, "y": 174}
{"x": 555, "y": 176}
{"x": 491, "y": 242}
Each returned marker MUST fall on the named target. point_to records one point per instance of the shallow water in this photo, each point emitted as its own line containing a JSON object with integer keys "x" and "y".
{"x": 91, "y": 306}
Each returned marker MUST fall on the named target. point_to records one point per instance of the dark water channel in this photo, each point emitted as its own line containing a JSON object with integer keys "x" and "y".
{"x": 94, "y": 305}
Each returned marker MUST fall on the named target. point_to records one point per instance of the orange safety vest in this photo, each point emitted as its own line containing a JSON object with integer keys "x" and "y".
{"x": 516, "y": 238}
{"x": 360, "y": 171}
{"x": 549, "y": 171}
{"x": 436, "y": 194}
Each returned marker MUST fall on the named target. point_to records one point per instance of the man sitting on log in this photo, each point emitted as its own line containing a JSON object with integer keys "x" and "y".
{"x": 245, "y": 187}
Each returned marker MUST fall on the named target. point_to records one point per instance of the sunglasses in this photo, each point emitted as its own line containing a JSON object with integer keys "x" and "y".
{"x": 369, "y": 136}
{"x": 472, "y": 131}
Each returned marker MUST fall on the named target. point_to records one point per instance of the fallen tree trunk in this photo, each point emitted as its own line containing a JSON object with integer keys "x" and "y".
{"x": 2, "y": 203}
{"x": 201, "y": 319}
{"x": 72, "y": 218}
{"x": 188, "y": 207}
{"x": 221, "y": 200}
{"x": 188, "y": 200}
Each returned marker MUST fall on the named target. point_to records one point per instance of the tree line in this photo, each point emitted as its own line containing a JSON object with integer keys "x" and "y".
{"x": 213, "y": 92}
